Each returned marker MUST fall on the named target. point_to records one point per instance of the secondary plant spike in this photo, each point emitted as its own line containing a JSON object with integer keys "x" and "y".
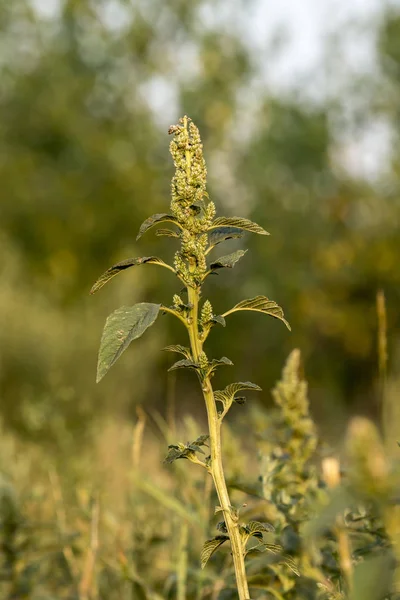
{"x": 192, "y": 220}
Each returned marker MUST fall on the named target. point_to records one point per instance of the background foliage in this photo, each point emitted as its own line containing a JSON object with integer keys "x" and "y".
{"x": 87, "y": 91}
{"x": 84, "y": 160}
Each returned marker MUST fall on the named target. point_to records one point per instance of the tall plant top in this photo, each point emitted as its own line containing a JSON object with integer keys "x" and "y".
{"x": 192, "y": 221}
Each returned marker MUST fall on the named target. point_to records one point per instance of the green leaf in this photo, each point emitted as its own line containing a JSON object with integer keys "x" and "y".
{"x": 219, "y": 319}
{"x": 210, "y": 547}
{"x": 186, "y": 450}
{"x": 256, "y": 528}
{"x": 219, "y": 362}
{"x": 216, "y": 236}
{"x": 260, "y": 304}
{"x": 184, "y": 364}
{"x": 167, "y": 233}
{"x": 238, "y": 223}
{"x": 125, "y": 264}
{"x": 227, "y": 396}
{"x": 177, "y": 452}
{"x": 227, "y": 261}
{"x": 201, "y": 440}
{"x": 154, "y": 220}
{"x": 180, "y": 350}
{"x": 122, "y": 327}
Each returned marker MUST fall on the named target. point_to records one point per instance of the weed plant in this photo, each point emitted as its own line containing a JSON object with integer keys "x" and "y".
{"x": 303, "y": 523}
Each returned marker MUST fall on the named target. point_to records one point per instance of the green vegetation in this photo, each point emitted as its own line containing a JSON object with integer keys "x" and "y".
{"x": 114, "y": 525}
{"x": 88, "y": 510}
{"x": 193, "y": 218}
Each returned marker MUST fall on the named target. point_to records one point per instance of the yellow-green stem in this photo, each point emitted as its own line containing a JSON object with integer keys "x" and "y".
{"x": 216, "y": 467}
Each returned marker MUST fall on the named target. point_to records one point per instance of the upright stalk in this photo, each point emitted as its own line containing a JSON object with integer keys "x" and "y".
{"x": 193, "y": 218}
{"x": 216, "y": 466}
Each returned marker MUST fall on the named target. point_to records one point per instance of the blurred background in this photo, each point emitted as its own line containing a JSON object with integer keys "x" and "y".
{"x": 298, "y": 107}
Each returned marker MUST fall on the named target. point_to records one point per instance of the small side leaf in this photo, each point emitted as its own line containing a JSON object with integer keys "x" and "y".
{"x": 201, "y": 440}
{"x": 219, "y": 319}
{"x": 184, "y": 364}
{"x": 122, "y": 327}
{"x": 125, "y": 264}
{"x": 227, "y": 396}
{"x": 216, "y": 236}
{"x": 238, "y": 223}
{"x": 154, "y": 220}
{"x": 186, "y": 450}
{"x": 228, "y": 261}
{"x": 210, "y": 547}
{"x": 260, "y": 304}
{"x": 256, "y": 529}
{"x": 180, "y": 350}
{"x": 177, "y": 452}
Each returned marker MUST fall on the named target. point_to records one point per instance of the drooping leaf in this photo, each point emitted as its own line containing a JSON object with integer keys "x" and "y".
{"x": 154, "y": 220}
{"x": 180, "y": 350}
{"x": 122, "y": 327}
{"x": 228, "y": 261}
{"x": 260, "y": 304}
{"x": 184, "y": 364}
{"x": 227, "y": 396}
{"x": 219, "y": 319}
{"x": 210, "y": 547}
{"x": 238, "y": 223}
{"x": 167, "y": 233}
{"x": 220, "y": 234}
{"x": 125, "y": 264}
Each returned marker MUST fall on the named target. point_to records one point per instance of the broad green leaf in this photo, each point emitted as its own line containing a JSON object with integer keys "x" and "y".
{"x": 216, "y": 236}
{"x": 238, "y": 223}
{"x": 260, "y": 304}
{"x": 180, "y": 350}
{"x": 184, "y": 364}
{"x": 167, "y": 233}
{"x": 227, "y": 395}
{"x": 126, "y": 264}
{"x": 154, "y": 220}
{"x": 210, "y": 547}
{"x": 227, "y": 261}
{"x": 122, "y": 327}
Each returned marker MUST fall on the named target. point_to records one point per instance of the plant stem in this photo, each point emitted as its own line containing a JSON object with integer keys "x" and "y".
{"x": 216, "y": 467}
